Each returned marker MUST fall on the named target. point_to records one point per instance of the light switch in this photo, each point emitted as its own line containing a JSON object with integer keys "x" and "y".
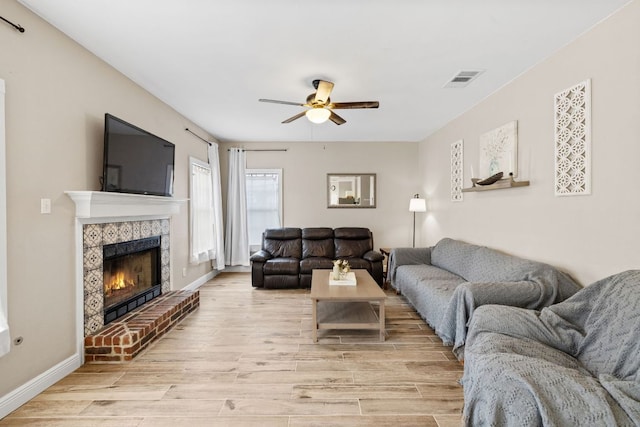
{"x": 45, "y": 206}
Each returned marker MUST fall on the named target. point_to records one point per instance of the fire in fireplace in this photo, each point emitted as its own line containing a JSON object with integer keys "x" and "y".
{"x": 131, "y": 275}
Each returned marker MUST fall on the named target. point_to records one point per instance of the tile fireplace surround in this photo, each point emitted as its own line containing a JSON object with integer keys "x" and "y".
{"x": 107, "y": 218}
{"x": 95, "y": 236}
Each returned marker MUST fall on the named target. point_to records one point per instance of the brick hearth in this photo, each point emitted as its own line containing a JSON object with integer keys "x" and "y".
{"x": 123, "y": 339}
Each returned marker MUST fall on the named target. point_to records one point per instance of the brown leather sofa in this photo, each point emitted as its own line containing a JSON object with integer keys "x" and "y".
{"x": 289, "y": 255}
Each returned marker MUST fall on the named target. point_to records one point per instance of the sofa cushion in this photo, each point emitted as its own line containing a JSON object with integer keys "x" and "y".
{"x": 512, "y": 381}
{"x": 457, "y": 257}
{"x": 317, "y": 263}
{"x": 429, "y": 290}
{"x": 352, "y": 242}
{"x": 284, "y": 266}
{"x": 317, "y": 242}
{"x": 352, "y": 233}
{"x": 317, "y": 233}
{"x": 280, "y": 282}
{"x": 283, "y": 242}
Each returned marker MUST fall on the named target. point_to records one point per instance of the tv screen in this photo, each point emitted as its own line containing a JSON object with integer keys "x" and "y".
{"x": 135, "y": 161}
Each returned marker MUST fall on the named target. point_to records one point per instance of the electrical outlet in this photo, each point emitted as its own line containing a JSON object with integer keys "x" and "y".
{"x": 184, "y": 271}
{"x": 45, "y": 206}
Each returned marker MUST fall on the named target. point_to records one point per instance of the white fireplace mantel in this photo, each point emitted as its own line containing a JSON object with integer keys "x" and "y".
{"x": 102, "y": 204}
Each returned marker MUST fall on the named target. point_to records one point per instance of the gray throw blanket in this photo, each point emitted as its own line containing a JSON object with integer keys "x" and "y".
{"x": 575, "y": 363}
{"x": 479, "y": 276}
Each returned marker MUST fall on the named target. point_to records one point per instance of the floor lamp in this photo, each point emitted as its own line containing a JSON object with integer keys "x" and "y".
{"x": 416, "y": 205}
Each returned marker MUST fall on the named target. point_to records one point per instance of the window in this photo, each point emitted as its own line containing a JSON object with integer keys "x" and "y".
{"x": 202, "y": 228}
{"x": 264, "y": 203}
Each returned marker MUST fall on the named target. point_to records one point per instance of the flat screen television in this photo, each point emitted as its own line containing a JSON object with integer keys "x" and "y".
{"x": 136, "y": 161}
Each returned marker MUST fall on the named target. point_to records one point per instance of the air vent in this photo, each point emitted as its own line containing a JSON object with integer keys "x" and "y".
{"x": 463, "y": 78}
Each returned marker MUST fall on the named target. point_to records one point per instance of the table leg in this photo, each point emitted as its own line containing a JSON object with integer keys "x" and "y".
{"x": 314, "y": 310}
{"x": 382, "y": 323}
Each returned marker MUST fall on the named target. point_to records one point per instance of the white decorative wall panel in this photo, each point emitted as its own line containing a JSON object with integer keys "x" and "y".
{"x": 457, "y": 162}
{"x": 573, "y": 140}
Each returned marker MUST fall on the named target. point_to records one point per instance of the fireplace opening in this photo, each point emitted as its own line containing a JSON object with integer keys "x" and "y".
{"x": 131, "y": 276}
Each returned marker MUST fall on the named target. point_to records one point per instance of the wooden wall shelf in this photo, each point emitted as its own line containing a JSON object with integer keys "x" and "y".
{"x": 503, "y": 183}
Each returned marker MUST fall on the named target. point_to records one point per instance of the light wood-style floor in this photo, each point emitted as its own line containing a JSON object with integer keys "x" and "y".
{"x": 246, "y": 358}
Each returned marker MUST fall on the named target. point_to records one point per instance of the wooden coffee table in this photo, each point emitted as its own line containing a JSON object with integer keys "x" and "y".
{"x": 344, "y": 306}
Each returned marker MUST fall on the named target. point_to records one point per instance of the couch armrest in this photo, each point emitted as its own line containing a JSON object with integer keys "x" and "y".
{"x": 542, "y": 326}
{"x": 373, "y": 256}
{"x": 410, "y": 256}
{"x": 468, "y": 298}
{"x": 261, "y": 256}
{"x": 406, "y": 256}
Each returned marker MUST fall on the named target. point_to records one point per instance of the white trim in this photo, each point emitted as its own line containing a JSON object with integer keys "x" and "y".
{"x": 3, "y": 212}
{"x": 21, "y": 395}
{"x": 104, "y": 204}
{"x": 79, "y": 291}
{"x": 201, "y": 281}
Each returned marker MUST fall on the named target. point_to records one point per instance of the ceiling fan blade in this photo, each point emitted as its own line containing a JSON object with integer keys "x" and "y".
{"x": 296, "y": 117}
{"x": 347, "y": 105}
{"x": 336, "y": 119}
{"x": 275, "y": 101}
{"x": 323, "y": 92}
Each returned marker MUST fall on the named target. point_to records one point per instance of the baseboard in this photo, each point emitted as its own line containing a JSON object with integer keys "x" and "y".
{"x": 18, "y": 397}
{"x": 201, "y": 281}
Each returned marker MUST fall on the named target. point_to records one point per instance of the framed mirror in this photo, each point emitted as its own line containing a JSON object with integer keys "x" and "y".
{"x": 351, "y": 190}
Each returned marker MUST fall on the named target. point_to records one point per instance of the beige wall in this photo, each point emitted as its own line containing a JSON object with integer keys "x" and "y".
{"x": 56, "y": 96}
{"x": 305, "y": 166}
{"x": 589, "y": 236}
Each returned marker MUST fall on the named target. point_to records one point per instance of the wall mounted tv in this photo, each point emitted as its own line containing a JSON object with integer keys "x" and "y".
{"x": 135, "y": 161}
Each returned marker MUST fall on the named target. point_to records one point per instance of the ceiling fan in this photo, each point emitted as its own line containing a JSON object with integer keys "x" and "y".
{"x": 320, "y": 108}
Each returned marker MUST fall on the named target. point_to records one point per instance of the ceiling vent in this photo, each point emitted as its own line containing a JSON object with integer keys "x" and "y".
{"x": 463, "y": 78}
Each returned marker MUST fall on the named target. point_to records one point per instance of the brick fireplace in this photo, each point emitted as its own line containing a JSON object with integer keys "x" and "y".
{"x": 109, "y": 225}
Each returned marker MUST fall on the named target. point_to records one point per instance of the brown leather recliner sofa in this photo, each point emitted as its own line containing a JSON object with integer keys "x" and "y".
{"x": 289, "y": 255}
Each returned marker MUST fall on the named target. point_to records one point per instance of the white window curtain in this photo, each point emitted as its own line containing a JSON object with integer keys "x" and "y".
{"x": 237, "y": 234}
{"x": 264, "y": 203}
{"x": 214, "y": 163}
{"x": 202, "y": 229}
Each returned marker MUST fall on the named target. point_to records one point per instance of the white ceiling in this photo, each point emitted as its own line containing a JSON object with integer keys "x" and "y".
{"x": 212, "y": 60}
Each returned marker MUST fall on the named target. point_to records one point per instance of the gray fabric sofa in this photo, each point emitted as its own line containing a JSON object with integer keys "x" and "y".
{"x": 445, "y": 283}
{"x": 576, "y": 363}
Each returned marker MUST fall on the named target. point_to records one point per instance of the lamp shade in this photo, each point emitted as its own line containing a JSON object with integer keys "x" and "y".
{"x": 318, "y": 115}
{"x": 417, "y": 205}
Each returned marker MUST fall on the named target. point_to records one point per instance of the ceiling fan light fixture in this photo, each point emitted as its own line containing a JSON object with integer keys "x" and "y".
{"x": 318, "y": 115}
{"x": 319, "y": 105}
